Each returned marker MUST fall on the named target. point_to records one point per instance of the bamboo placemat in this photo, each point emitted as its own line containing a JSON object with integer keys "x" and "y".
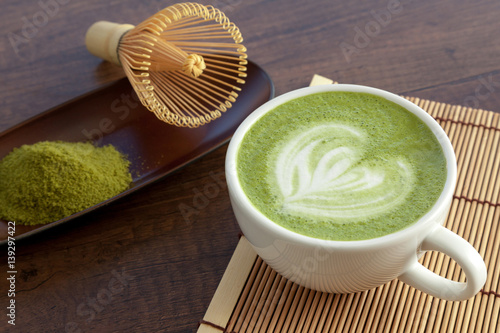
{"x": 252, "y": 297}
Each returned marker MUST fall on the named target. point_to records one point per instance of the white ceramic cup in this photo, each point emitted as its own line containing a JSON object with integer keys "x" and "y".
{"x": 352, "y": 266}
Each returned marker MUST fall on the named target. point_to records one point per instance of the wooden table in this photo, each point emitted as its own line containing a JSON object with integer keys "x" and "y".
{"x": 140, "y": 265}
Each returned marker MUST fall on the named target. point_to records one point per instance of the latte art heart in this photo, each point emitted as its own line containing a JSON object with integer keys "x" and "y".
{"x": 324, "y": 172}
{"x": 341, "y": 166}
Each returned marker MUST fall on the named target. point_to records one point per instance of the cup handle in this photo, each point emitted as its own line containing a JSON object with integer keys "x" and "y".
{"x": 466, "y": 256}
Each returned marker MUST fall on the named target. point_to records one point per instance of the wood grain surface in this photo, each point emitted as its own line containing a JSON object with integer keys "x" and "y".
{"x": 152, "y": 261}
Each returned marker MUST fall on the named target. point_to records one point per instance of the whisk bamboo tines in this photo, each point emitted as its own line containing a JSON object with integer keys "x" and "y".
{"x": 186, "y": 62}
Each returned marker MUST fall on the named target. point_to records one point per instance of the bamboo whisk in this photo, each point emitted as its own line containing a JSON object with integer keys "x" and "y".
{"x": 186, "y": 62}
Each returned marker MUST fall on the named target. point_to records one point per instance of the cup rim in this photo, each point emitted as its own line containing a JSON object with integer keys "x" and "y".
{"x": 424, "y": 222}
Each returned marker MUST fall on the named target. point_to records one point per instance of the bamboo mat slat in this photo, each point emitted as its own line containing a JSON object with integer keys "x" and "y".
{"x": 266, "y": 302}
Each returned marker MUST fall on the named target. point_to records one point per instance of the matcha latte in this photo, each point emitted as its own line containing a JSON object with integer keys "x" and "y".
{"x": 341, "y": 166}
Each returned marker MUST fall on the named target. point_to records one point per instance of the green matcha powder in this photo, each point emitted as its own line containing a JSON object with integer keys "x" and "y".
{"x": 50, "y": 180}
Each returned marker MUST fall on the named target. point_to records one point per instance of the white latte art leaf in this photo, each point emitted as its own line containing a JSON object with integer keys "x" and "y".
{"x": 323, "y": 173}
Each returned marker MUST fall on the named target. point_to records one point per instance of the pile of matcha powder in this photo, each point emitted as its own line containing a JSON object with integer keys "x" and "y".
{"x": 49, "y": 180}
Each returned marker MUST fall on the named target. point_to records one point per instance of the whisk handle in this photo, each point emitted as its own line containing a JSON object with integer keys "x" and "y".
{"x": 103, "y": 37}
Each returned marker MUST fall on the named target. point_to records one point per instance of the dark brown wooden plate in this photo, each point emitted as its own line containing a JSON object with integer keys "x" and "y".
{"x": 113, "y": 115}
